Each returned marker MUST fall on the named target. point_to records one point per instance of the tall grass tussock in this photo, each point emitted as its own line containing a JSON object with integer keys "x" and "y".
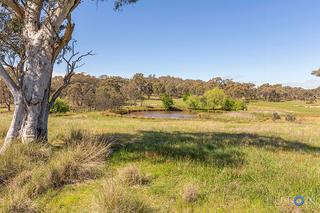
{"x": 39, "y": 169}
{"x": 190, "y": 193}
{"x": 131, "y": 176}
{"x": 20, "y": 157}
{"x": 113, "y": 197}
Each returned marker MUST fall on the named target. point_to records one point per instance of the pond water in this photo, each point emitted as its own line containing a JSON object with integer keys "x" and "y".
{"x": 160, "y": 114}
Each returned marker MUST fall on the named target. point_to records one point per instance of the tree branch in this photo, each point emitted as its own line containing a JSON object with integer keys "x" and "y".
{"x": 8, "y": 80}
{"x": 62, "y": 11}
{"x": 32, "y": 18}
{"x": 15, "y": 6}
{"x": 56, "y": 94}
{"x": 72, "y": 65}
{"x": 65, "y": 39}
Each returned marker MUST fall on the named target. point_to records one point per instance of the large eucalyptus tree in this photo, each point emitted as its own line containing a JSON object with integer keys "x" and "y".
{"x": 32, "y": 35}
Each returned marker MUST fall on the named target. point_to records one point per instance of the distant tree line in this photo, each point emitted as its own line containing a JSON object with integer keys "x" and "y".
{"x": 111, "y": 92}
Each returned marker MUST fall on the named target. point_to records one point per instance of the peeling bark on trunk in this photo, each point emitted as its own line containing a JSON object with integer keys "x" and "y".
{"x": 36, "y": 87}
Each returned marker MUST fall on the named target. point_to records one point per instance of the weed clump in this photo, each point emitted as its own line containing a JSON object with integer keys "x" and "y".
{"x": 190, "y": 193}
{"x": 290, "y": 118}
{"x": 113, "y": 197}
{"x": 131, "y": 175}
{"x": 76, "y": 136}
{"x": 276, "y": 116}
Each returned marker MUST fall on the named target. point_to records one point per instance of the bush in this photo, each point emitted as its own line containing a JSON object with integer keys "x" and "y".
{"x": 214, "y": 99}
{"x": 275, "y": 116}
{"x": 234, "y": 105}
{"x": 239, "y": 105}
{"x": 167, "y": 102}
{"x": 290, "y": 117}
{"x": 229, "y": 104}
{"x": 60, "y": 106}
{"x": 186, "y": 96}
{"x": 113, "y": 197}
{"x": 194, "y": 102}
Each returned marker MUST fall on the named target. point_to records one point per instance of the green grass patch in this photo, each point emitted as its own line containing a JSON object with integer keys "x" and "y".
{"x": 233, "y": 161}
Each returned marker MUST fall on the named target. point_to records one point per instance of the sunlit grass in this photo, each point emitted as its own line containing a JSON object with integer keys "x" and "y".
{"x": 241, "y": 161}
{"x": 298, "y": 107}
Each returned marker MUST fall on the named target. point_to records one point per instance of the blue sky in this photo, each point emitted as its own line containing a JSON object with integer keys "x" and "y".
{"x": 259, "y": 41}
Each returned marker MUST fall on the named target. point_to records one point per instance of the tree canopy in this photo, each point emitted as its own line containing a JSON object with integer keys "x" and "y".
{"x": 33, "y": 35}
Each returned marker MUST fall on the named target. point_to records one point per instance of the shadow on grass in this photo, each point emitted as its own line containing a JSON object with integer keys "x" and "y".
{"x": 219, "y": 149}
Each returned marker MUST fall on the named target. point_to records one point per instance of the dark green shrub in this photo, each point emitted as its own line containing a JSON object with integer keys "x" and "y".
{"x": 167, "y": 102}
{"x": 234, "y": 105}
{"x": 229, "y": 104}
{"x": 60, "y": 106}
{"x": 186, "y": 96}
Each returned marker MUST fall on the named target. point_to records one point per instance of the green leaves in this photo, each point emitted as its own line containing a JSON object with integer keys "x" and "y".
{"x": 167, "y": 102}
{"x": 120, "y": 3}
{"x": 215, "y": 99}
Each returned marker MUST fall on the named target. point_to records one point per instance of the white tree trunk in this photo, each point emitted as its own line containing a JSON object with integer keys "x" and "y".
{"x": 42, "y": 44}
{"x": 30, "y": 118}
{"x": 16, "y": 123}
{"x": 35, "y": 90}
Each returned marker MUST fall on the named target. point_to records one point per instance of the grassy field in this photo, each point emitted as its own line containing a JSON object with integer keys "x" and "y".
{"x": 237, "y": 161}
{"x": 154, "y": 104}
